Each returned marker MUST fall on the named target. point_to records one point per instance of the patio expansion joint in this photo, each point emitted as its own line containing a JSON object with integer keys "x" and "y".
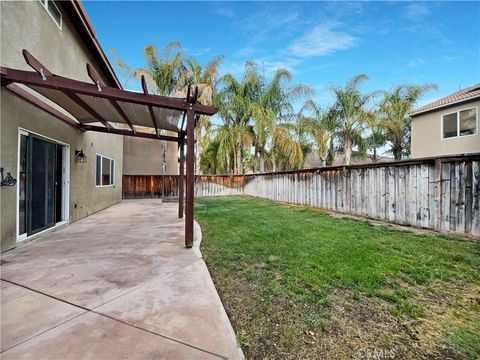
{"x": 161, "y": 335}
{"x": 54, "y": 326}
{"x": 87, "y": 310}
{"x": 45, "y": 294}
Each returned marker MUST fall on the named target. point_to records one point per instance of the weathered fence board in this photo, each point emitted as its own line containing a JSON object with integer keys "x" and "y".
{"x": 441, "y": 193}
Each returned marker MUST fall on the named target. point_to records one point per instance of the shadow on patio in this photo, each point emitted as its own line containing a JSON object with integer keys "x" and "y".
{"x": 117, "y": 284}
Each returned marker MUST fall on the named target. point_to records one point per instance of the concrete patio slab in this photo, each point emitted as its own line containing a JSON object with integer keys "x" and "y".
{"x": 92, "y": 336}
{"x": 36, "y": 312}
{"x": 183, "y": 305}
{"x": 102, "y": 256}
{"x": 125, "y": 274}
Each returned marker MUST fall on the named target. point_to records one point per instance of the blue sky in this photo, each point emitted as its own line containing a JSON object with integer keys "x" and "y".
{"x": 320, "y": 42}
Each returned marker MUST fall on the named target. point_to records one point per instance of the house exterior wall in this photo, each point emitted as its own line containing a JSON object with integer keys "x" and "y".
{"x": 144, "y": 156}
{"x": 427, "y": 138}
{"x": 63, "y": 52}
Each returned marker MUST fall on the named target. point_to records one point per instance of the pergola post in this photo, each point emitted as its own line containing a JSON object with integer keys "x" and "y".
{"x": 190, "y": 177}
{"x": 181, "y": 145}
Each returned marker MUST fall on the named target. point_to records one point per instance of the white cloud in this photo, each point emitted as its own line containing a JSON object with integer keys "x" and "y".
{"x": 416, "y": 62}
{"x": 225, "y": 11}
{"x": 260, "y": 25}
{"x": 234, "y": 68}
{"x": 201, "y": 51}
{"x": 265, "y": 66}
{"x": 416, "y": 11}
{"x": 246, "y": 51}
{"x": 322, "y": 40}
{"x": 270, "y": 66}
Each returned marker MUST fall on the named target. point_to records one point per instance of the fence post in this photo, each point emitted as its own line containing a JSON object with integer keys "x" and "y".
{"x": 438, "y": 195}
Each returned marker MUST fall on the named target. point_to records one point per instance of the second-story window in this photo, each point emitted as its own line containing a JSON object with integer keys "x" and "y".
{"x": 459, "y": 123}
{"x": 53, "y": 10}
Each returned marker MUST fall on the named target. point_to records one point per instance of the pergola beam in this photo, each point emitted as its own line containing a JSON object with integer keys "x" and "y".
{"x": 123, "y": 115}
{"x": 150, "y": 109}
{"x": 87, "y": 108}
{"x": 43, "y": 105}
{"x": 97, "y": 79}
{"x": 35, "y": 64}
{"x": 56, "y": 82}
{"x": 129, "y": 133}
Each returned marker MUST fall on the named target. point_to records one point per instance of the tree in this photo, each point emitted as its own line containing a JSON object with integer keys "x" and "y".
{"x": 271, "y": 107}
{"x": 393, "y": 115}
{"x": 162, "y": 72}
{"x": 288, "y": 151}
{"x": 376, "y": 140}
{"x": 171, "y": 73}
{"x": 320, "y": 126}
{"x": 204, "y": 78}
{"x": 351, "y": 114}
{"x": 234, "y": 100}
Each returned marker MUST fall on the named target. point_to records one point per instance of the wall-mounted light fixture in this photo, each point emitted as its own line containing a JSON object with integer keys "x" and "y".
{"x": 80, "y": 156}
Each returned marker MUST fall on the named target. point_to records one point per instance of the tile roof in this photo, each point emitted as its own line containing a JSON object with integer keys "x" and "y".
{"x": 472, "y": 92}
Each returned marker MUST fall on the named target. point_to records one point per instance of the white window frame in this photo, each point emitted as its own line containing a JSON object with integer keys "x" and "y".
{"x": 45, "y": 5}
{"x": 458, "y": 123}
{"x": 112, "y": 175}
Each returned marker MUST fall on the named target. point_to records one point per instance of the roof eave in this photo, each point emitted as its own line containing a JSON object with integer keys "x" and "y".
{"x": 81, "y": 21}
{"x": 444, "y": 106}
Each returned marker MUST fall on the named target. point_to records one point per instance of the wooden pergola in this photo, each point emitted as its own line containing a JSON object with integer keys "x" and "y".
{"x": 98, "y": 107}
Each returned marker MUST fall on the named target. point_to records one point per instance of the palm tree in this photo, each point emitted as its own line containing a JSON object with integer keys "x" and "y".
{"x": 393, "y": 115}
{"x": 272, "y": 106}
{"x": 169, "y": 73}
{"x": 162, "y": 71}
{"x": 226, "y": 139}
{"x": 288, "y": 151}
{"x": 351, "y": 114}
{"x": 376, "y": 140}
{"x": 234, "y": 100}
{"x": 204, "y": 78}
{"x": 320, "y": 126}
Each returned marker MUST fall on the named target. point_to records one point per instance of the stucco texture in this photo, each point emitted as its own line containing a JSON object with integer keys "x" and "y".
{"x": 63, "y": 52}
{"x": 427, "y": 135}
{"x": 144, "y": 156}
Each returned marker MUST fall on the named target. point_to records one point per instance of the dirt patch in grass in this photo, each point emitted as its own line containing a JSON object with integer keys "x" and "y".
{"x": 300, "y": 284}
{"x": 346, "y": 326}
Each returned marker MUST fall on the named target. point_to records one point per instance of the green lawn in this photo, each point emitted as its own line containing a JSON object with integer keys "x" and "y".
{"x": 297, "y": 282}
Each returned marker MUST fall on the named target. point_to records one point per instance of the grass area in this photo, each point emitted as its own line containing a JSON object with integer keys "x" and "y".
{"x": 297, "y": 282}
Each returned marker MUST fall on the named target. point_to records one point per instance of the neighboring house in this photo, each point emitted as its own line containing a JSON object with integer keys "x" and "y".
{"x": 145, "y": 156}
{"x": 54, "y": 187}
{"x": 448, "y": 126}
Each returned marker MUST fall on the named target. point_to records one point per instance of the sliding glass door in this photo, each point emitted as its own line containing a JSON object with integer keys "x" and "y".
{"x": 41, "y": 171}
{"x": 41, "y": 196}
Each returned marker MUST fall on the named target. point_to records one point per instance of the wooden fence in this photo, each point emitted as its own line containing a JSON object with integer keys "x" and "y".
{"x": 436, "y": 193}
{"x": 149, "y": 186}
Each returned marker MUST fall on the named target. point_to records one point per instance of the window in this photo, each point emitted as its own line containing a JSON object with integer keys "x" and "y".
{"x": 468, "y": 122}
{"x": 105, "y": 171}
{"x": 450, "y": 125}
{"x": 52, "y": 9}
{"x": 460, "y": 123}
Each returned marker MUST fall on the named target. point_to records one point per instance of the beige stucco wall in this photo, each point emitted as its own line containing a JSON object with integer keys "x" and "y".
{"x": 144, "y": 156}
{"x": 63, "y": 52}
{"x": 427, "y": 137}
